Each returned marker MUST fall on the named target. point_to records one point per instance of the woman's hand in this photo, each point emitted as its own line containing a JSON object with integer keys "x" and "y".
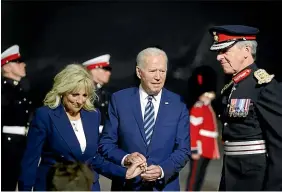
{"x": 136, "y": 169}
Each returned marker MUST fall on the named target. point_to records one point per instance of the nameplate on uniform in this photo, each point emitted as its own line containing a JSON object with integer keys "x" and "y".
{"x": 239, "y": 107}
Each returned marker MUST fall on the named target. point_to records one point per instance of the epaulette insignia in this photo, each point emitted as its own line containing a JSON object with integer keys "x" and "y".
{"x": 262, "y": 76}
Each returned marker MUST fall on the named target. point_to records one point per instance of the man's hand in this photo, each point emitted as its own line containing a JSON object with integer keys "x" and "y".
{"x": 134, "y": 158}
{"x": 152, "y": 173}
{"x": 136, "y": 169}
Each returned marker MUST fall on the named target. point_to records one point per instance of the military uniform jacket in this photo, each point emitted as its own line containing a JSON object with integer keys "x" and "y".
{"x": 102, "y": 103}
{"x": 203, "y": 130}
{"x": 15, "y": 104}
{"x": 252, "y": 110}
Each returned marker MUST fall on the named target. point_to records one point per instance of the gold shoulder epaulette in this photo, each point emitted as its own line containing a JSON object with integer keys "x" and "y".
{"x": 262, "y": 76}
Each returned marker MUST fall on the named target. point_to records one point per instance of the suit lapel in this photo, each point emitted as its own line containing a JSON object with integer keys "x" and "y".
{"x": 163, "y": 109}
{"x": 65, "y": 129}
{"x": 136, "y": 107}
{"x": 164, "y": 103}
{"x": 89, "y": 131}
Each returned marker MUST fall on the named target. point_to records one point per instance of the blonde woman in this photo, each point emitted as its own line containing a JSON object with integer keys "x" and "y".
{"x": 66, "y": 128}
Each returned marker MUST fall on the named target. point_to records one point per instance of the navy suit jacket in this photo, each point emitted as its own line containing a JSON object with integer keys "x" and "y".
{"x": 52, "y": 138}
{"x": 170, "y": 144}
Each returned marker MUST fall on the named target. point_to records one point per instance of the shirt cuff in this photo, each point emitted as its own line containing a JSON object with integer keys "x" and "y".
{"x": 122, "y": 161}
{"x": 162, "y": 176}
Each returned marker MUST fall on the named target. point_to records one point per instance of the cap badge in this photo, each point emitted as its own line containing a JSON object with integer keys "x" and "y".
{"x": 215, "y": 37}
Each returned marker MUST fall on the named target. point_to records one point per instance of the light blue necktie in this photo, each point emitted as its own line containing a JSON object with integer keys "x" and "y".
{"x": 149, "y": 119}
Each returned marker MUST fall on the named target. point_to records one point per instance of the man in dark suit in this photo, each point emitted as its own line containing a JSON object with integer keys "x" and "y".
{"x": 148, "y": 121}
{"x": 251, "y": 113}
{"x": 16, "y": 107}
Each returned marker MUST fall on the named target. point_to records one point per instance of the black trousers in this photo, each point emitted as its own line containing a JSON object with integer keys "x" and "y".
{"x": 13, "y": 147}
{"x": 243, "y": 173}
{"x": 197, "y": 174}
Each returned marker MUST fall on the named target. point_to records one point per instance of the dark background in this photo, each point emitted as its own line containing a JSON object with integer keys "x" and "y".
{"x": 53, "y": 34}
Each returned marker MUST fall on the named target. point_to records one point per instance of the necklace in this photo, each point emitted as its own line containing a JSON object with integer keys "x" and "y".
{"x": 74, "y": 126}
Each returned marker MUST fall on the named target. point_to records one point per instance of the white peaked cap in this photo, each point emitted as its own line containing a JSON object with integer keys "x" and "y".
{"x": 10, "y": 54}
{"x": 98, "y": 62}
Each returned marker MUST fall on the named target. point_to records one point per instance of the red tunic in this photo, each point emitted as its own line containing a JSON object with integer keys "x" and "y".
{"x": 203, "y": 127}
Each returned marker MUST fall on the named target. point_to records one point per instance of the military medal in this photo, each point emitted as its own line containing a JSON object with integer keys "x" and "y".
{"x": 239, "y": 107}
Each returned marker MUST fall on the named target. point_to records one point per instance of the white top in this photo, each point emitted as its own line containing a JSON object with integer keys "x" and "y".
{"x": 79, "y": 132}
{"x": 144, "y": 100}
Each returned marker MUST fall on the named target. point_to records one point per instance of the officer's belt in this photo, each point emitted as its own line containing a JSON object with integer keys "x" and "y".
{"x": 244, "y": 147}
{"x": 17, "y": 130}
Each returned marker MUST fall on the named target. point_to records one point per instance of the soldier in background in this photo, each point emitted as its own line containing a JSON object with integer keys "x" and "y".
{"x": 101, "y": 72}
{"x": 204, "y": 134}
{"x": 15, "y": 113}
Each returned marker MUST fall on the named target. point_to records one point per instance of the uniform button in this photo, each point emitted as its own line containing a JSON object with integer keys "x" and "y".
{"x": 103, "y": 104}
{"x": 5, "y": 82}
{"x": 26, "y": 111}
{"x": 30, "y": 102}
{"x": 106, "y": 102}
{"x": 219, "y": 116}
{"x": 9, "y": 138}
{"x": 228, "y": 105}
{"x": 24, "y": 99}
{"x": 225, "y": 124}
{"x": 21, "y": 89}
{"x": 62, "y": 156}
{"x": 20, "y": 102}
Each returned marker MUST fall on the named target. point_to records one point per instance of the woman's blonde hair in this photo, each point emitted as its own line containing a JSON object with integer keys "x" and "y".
{"x": 70, "y": 80}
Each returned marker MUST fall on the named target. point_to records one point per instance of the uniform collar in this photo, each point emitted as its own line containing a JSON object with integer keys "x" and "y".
{"x": 8, "y": 81}
{"x": 244, "y": 73}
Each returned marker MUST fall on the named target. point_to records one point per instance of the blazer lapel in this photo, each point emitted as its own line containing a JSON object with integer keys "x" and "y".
{"x": 65, "y": 129}
{"x": 89, "y": 131}
{"x": 136, "y": 107}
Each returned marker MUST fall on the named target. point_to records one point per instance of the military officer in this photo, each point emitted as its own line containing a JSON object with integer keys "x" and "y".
{"x": 251, "y": 114}
{"x": 101, "y": 72}
{"x": 16, "y": 108}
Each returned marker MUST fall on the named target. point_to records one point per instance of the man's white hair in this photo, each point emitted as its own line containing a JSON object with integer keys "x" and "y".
{"x": 151, "y": 51}
{"x": 252, "y": 44}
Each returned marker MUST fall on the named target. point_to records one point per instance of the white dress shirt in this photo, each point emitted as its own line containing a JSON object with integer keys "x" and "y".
{"x": 143, "y": 101}
{"x": 79, "y": 132}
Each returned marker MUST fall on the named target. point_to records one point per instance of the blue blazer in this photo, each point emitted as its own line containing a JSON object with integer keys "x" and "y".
{"x": 52, "y": 138}
{"x": 170, "y": 144}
